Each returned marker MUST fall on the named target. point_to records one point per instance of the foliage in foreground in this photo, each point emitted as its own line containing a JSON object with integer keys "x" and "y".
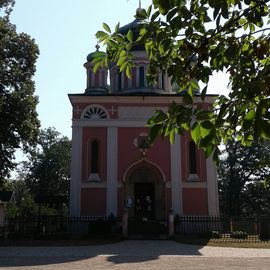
{"x": 192, "y": 40}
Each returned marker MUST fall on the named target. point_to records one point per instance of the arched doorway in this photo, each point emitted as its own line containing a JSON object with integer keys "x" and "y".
{"x": 145, "y": 193}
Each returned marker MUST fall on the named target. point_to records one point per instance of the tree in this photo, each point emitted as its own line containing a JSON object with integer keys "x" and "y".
{"x": 47, "y": 172}
{"x": 256, "y": 199}
{"x": 242, "y": 176}
{"x": 24, "y": 203}
{"x": 191, "y": 40}
{"x": 18, "y": 116}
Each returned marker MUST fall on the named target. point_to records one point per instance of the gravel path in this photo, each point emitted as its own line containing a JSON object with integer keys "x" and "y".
{"x": 133, "y": 254}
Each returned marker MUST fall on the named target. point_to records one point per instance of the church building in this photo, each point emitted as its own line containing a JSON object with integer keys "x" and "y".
{"x": 114, "y": 168}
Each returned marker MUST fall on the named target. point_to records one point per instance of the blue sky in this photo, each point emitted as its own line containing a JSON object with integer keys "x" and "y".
{"x": 65, "y": 33}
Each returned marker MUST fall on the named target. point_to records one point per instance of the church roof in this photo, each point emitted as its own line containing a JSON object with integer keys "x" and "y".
{"x": 134, "y": 26}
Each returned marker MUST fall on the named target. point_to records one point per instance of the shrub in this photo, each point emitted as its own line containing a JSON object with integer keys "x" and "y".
{"x": 239, "y": 235}
{"x": 210, "y": 234}
{"x": 215, "y": 234}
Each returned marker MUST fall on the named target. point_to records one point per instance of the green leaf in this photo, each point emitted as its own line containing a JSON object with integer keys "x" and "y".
{"x": 203, "y": 93}
{"x": 195, "y": 132}
{"x": 172, "y": 137}
{"x": 153, "y": 133}
{"x": 195, "y": 85}
{"x": 128, "y": 46}
{"x": 265, "y": 126}
{"x": 155, "y": 15}
{"x": 250, "y": 115}
{"x": 128, "y": 72}
{"x": 97, "y": 66}
{"x": 149, "y": 10}
{"x": 106, "y": 27}
{"x": 205, "y": 141}
{"x": 208, "y": 150}
{"x": 207, "y": 124}
{"x": 172, "y": 13}
{"x": 164, "y": 6}
{"x": 116, "y": 30}
{"x": 101, "y": 34}
{"x": 130, "y": 35}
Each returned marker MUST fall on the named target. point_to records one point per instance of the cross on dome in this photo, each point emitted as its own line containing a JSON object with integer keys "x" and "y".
{"x": 139, "y": 9}
{"x": 97, "y": 47}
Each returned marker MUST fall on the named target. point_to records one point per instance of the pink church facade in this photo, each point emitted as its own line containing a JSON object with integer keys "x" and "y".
{"x": 114, "y": 169}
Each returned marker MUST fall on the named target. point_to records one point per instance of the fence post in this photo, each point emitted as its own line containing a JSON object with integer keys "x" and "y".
{"x": 125, "y": 223}
{"x": 231, "y": 224}
{"x": 171, "y": 224}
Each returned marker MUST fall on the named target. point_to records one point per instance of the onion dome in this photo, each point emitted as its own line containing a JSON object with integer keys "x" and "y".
{"x": 134, "y": 26}
{"x": 96, "y": 81}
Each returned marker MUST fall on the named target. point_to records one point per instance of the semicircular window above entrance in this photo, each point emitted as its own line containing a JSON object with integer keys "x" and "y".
{"x": 95, "y": 113}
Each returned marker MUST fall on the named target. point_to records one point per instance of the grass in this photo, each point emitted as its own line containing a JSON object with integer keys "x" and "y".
{"x": 251, "y": 242}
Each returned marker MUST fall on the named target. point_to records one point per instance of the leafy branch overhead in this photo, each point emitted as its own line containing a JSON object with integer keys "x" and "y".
{"x": 192, "y": 40}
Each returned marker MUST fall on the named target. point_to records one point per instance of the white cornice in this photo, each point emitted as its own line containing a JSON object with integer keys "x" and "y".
{"x": 133, "y": 99}
{"x": 107, "y": 123}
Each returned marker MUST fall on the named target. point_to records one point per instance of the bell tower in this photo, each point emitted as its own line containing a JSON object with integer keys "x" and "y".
{"x": 96, "y": 81}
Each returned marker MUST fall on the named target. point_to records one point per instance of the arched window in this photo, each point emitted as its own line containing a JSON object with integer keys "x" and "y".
{"x": 192, "y": 158}
{"x": 95, "y": 112}
{"x": 94, "y": 156}
{"x": 141, "y": 77}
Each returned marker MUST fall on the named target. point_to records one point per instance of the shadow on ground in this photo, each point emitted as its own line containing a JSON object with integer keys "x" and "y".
{"x": 129, "y": 251}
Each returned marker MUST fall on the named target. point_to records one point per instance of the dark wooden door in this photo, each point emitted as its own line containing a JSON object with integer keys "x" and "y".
{"x": 145, "y": 200}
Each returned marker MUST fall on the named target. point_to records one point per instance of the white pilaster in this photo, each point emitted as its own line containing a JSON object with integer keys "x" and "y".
{"x": 122, "y": 80}
{"x": 137, "y": 76}
{"x": 212, "y": 188}
{"x": 111, "y": 207}
{"x": 176, "y": 179}
{"x": 76, "y": 165}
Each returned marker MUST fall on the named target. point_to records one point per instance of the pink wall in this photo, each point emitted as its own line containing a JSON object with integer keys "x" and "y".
{"x": 101, "y": 135}
{"x": 120, "y": 203}
{"x": 93, "y": 201}
{"x": 195, "y": 201}
{"x": 128, "y": 153}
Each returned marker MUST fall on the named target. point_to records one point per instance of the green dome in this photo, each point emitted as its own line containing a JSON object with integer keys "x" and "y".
{"x": 91, "y": 55}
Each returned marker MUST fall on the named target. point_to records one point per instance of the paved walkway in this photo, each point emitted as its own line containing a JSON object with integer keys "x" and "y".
{"x": 132, "y": 254}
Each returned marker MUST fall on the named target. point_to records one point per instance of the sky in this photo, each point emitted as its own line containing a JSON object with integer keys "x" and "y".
{"x": 65, "y": 31}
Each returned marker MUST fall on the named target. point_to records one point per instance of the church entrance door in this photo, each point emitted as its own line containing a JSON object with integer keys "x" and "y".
{"x": 145, "y": 194}
{"x": 145, "y": 197}
{"x": 145, "y": 200}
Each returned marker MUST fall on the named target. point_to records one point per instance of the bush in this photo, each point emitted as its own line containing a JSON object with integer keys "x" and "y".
{"x": 239, "y": 235}
{"x": 211, "y": 234}
{"x": 216, "y": 234}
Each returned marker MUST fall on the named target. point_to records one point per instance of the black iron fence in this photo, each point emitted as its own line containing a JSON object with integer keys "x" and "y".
{"x": 147, "y": 228}
{"x": 56, "y": 227}
{"x": 222, "y": 227}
